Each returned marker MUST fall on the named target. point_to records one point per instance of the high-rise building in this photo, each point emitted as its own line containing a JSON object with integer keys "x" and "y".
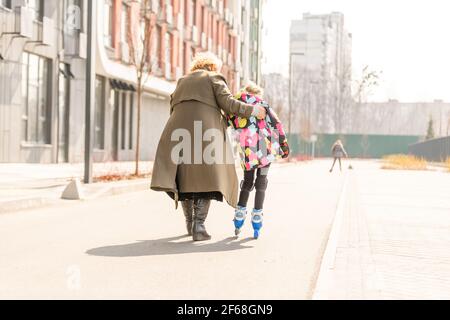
{"x": 321, "y": 68}
{"x": 43, "y": 63}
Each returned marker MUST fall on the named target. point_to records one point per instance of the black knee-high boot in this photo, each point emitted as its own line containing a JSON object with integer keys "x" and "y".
{"x": 188, "y": 210}
{"x": 201, "y": 209}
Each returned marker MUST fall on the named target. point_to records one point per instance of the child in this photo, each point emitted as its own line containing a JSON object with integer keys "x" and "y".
{"x": 338, "y": 152}
{"x": 261, "y": 142}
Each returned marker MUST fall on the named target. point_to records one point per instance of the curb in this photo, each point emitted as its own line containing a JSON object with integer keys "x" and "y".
{"x": 321, "y": 290}
{"x": 105, "y": 190}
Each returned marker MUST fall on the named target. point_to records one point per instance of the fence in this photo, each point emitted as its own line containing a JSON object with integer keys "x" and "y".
{"x": 357, "y": 146}
{"x": 437, "y": 150}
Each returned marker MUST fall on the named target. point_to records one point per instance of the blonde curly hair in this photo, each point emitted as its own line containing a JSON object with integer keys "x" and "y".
{"x": 206, "y": 61}
{"x": 254, "y": 89}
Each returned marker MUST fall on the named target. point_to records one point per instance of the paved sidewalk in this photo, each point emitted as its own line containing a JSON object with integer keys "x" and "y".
{"x": 25, "y": 186}
{"x": 394, "y": 238}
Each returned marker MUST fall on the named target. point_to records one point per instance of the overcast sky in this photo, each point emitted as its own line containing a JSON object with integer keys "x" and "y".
{"x": 408, "y": 40}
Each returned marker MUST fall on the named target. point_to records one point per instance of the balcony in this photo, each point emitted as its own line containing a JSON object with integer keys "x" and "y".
{"x": 21, "y": 22}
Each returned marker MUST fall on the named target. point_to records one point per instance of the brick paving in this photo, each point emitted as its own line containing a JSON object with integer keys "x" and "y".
{"x": 394, "y": 242}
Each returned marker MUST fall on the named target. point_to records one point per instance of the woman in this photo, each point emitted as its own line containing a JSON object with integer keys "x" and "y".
{"x": 338, "y": 152}
{"x": 198, "y": 107}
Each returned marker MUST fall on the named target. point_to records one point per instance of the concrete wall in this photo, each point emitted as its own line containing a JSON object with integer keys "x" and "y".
{"x": 155, "y": 113}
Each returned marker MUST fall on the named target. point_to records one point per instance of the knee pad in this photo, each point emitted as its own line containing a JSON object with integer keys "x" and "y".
{"x": 261, "y": 183}
{"x": 247, "y": 186}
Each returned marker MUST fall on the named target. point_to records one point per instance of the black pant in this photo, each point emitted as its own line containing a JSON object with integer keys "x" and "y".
{"x": 334, "y": 162}
{"x": 249, "y": 183}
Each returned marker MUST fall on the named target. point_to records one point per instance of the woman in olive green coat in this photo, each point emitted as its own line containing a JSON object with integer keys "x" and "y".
{"x": 194, "y": 162}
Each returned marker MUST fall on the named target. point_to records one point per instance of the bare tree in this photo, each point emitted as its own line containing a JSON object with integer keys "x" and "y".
{"x": 363, "y": 86}
{"x": 344, "y": 100}
{"x": 139, "y": 40}
{"x": 276, "y": 88}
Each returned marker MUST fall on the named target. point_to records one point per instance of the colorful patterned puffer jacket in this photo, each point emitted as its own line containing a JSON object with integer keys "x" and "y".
{"x": 261, "y": 142}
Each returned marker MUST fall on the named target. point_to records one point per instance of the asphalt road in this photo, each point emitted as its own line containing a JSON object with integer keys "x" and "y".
{"x": 134, "y": 246}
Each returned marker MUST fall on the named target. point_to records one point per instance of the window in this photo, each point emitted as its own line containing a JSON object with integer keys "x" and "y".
{"x": 38, "y": 7}
{"x": 63, "y": 110}
{"x": 99, "y": 134}
{"x": 127, "y": 120}
{"x": 5, "y": 3}
{"x": 108, "y": 23}
{"x": 190, "y": 13}
{"x": 124, "y": 23}
{"x": 131, "y": 122}
{"x": 155, "y": 5}
{"x": 194, "y": 12}
{"x": 168, "y": 54}
{"x": 36, "y": 106}
{"x": 156, "y": 49}
{"x": 124, "y": 121}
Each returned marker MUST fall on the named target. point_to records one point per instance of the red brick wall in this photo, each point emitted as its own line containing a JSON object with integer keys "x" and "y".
{"x": 205, "y": 20}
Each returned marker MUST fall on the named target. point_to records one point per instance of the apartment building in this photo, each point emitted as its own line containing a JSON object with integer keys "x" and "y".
{"x": 43, "y": 63}
{"x": 321, "y": 69}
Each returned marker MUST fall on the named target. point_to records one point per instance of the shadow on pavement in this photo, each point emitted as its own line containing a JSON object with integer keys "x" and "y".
{"x": 168, "y": 246}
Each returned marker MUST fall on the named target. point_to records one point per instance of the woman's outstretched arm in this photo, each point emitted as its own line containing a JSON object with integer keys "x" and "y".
{"x": 228, "y": 103}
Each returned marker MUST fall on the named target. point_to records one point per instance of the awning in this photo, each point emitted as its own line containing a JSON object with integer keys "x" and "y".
{"x": 66, "y": 72}
{"x": 120, "y": 85}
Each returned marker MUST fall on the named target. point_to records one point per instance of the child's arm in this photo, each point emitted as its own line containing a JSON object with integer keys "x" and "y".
{"x": 276, "y": 123}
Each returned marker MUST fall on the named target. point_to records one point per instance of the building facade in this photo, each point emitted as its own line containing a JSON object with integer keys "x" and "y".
{"x": 43, "y": 66}
{"x": 320, "y": 71}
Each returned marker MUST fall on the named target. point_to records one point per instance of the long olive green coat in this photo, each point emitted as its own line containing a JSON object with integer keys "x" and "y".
{"x": 200, "y": 99}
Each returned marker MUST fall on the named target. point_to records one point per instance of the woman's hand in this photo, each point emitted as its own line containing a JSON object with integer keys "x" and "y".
{"x": 260, "y": 112}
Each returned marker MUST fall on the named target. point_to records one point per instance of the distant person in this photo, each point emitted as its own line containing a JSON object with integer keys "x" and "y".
{"x": 201, "y": 97}
{"x": 338, "y": 151}
{"x": 261, "y": 142}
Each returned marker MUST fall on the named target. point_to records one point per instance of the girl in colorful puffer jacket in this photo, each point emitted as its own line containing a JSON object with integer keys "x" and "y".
{"x": 260, "y": 143}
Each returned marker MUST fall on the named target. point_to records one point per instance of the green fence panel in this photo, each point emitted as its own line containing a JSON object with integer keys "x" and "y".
{"x": 357, "y": 146}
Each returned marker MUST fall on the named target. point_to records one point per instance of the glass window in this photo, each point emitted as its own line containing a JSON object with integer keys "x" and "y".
{"x": 36, "y": 109}
{"x": 124, "y": 23}
{"x": 124, "y": 121}
{"x": 38, "y": 7}
{"x": 99, "y": 135}
{"x": 131, "y": 122}
{"x": 63, "y": 111}
{"x": 5, "y": 3}
{"x": 167, "y": 53}
{"x": 155, "y": 5}
{"x": 24, "y": 96}
{"x": 108, "y": 23}
{"x": 156, "y": 49}
{"x": 190, "y": 13}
